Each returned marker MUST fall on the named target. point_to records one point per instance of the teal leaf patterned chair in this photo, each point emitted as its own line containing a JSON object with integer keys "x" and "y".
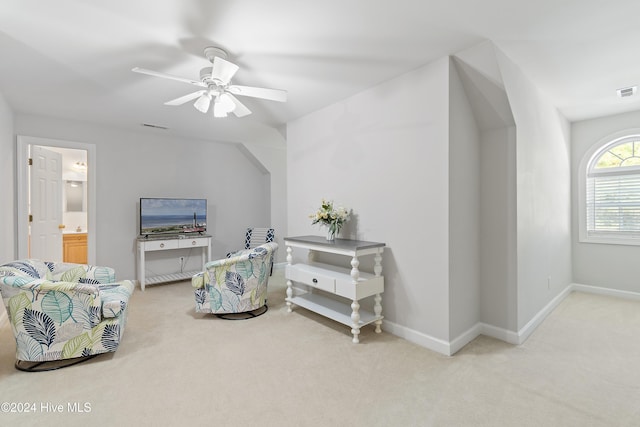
{"x": 235, "y": 287}
{"x": 63, "y": 313}
{"x": 255, "y": 236}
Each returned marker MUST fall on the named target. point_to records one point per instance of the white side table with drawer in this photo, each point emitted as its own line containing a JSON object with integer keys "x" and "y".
{"x": 350, "y": 284}
{"x": 147, "y": 244}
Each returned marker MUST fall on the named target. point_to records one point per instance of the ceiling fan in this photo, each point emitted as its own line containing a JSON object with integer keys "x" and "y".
{"x": 217, "y": 87}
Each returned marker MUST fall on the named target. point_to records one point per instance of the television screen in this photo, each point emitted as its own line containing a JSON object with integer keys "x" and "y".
{"x": 172, "y": 216}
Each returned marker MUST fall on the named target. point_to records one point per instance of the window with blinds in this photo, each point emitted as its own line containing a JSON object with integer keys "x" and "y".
{"x": 613, "y": 190}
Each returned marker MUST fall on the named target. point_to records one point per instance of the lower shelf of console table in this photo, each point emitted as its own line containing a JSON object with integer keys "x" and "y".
{"x": 172, "y": 277}
{"x": 332, "y": 309}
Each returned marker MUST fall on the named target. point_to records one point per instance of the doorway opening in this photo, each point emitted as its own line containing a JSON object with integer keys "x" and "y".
{"x": 56, "y": 208}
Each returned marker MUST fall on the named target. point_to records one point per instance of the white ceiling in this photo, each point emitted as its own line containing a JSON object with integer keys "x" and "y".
{"x": 73, "y": 59}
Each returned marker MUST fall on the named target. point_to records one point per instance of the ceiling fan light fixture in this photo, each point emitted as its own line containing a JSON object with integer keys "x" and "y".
{"x": 203, "y": 102}
{"x": 223, "y": 105}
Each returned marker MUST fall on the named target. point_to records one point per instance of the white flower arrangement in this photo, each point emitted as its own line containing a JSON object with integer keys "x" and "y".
{"x": 332, "y": 217}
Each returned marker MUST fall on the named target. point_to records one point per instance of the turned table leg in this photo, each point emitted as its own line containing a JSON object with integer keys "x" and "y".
{"x": 289, "y": 283}
{"x": 355, "y": 306}
{"x": 355, "y": 321}
{"x": 377, "y": 307}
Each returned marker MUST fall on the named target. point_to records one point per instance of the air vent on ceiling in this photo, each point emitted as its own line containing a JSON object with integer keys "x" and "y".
{"x": 154, "y": 126}
{"x": 627, "y": 91}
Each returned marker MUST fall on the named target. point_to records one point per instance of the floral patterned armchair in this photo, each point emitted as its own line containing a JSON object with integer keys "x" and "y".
{"x": 237, "y": 284}
{"x": 62, "y": 311}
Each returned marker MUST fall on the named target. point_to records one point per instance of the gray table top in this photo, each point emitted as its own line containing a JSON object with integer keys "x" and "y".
{"x": 346, "y": 244}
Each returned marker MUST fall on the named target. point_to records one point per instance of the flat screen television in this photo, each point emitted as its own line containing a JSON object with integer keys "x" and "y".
{"x": 164, "y": 216}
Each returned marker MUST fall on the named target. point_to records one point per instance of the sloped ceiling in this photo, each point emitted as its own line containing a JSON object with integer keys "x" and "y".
{"x": 73, "y": 58}
{"x": 482, "y": 82}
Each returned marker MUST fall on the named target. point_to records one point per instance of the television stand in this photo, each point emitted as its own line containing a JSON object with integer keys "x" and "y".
{"x": 165, "y": 243}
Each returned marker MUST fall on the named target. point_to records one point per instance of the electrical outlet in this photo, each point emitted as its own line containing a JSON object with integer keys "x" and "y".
{"x": 549, "y": 282}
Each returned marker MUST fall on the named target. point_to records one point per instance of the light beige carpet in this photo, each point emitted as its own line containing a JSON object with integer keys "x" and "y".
{"x": 177, "y": 368}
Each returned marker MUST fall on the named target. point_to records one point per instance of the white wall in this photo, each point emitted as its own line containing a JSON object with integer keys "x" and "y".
{"x": 543, "y": 194}
{"x": 274, "y": 160}
{"x": 608, "y": 266}
{"x": 151, "y": 163}
{"x": 498, "y": 299}
{"x": 464, "y": 214}
{"x": 7, "y": 189}
{"x": 484, "y": 88}
{"x": 7, "y": 178}
{"x": 384, "y": 153}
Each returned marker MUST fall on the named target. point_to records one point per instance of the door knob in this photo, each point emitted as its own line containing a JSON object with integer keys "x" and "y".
{"x": 61, "y": 226}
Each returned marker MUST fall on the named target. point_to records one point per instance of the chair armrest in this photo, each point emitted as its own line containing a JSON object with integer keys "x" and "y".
{"x": 197, "y": 280}
{"x": 115, "y": 297}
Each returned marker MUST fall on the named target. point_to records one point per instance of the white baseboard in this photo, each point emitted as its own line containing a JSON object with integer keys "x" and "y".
{"x": 480, "y": 328}
{"x": 465, "y": 338}
{"x": 499, "y": 333}
{"x": 452, "y": 347}
{"x": 449, "y": 348}
{"x": 416, "y": 337}
{"x": 531, "y": 326}
{"x": 605, "y": 291}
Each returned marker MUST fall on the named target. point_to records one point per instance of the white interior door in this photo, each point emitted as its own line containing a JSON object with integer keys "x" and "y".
{"x": 45, "y": 204}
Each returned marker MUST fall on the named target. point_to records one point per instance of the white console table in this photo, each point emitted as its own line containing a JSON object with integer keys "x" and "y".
{"x": 147, "y": 244}
{"x": 348, "y": 283}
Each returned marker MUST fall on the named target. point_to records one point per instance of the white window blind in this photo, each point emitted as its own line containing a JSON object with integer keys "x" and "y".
{"x": 613, "y": 204}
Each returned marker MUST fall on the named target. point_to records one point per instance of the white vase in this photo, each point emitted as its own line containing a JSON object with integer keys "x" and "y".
{"x": 331, "y": 235}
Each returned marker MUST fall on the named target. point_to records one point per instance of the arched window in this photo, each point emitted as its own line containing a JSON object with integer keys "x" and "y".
{"x": 613, "y": 191}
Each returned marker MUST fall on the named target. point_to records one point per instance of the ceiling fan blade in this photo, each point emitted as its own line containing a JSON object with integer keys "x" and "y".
{"x": 167, "y": 76}
{"x": 185, "y": 98}
{"x": 241, "y": 110}
{"x": 259, "y": 92}
{"x": 223, "y": 70}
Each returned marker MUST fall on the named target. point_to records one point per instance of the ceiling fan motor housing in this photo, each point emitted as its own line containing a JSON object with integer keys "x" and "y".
{"x": 211, "y": 52}
{"x": 205, "y": 75}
